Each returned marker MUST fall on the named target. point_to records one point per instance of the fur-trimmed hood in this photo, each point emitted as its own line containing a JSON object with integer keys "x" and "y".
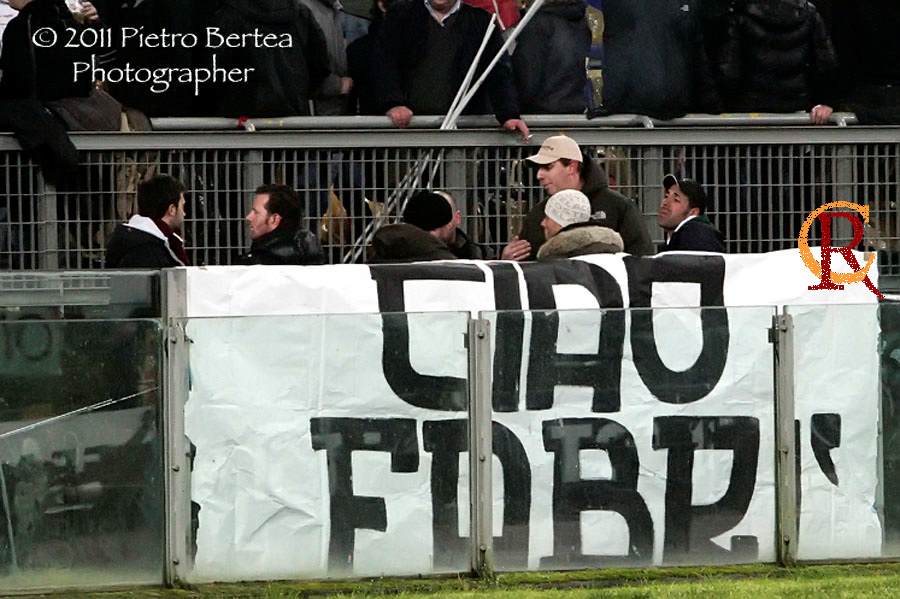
{"x": 581, "y": 239}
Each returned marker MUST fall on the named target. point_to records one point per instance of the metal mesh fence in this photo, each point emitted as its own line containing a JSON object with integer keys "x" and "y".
{"x": 759, "y": 194}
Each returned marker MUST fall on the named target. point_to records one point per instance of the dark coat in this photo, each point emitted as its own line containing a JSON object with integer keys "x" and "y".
{"x": 580, "y": 239}
{"x": 655, "y": 62}
{"x": 360, "y": 64}
{"x": 152, "y": 16}
{"x": 698, "y": 234}
{"x": 132, "y": 248}
{"x": 610, "y": 209}
{"x": 464, "y": 248}
{"x": 865, "y": 34}
{"x": 401, "y": 45}
{"x": 407, "y": 243}
{"x": 285, "y": 247}
{"x": 30, "y": 71}
{"x": 549, "y": 59}
{"x": 42, "y": 137}
{"x": 777, "y": 58}
{"x": 284, "y": 78}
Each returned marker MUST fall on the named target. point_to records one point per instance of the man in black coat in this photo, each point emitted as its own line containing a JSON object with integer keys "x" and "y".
{"x": 275, "y": 229}
{"x": 682, "y": 216}
{"x": 284, "y": 78}
{"x": 38, "y": 71}
{"x": 655, "y": 60}
{"x": 150, "y": 239}
{"x": 422, "y": 54}
{"x": 549, "y": 61}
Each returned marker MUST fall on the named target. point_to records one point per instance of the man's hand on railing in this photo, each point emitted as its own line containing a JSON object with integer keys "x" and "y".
{"x": 400, "y": 116}
{"x": 518, "y": 125}
{"x": 517, "y": 249}
{"x": 820, "y": 114}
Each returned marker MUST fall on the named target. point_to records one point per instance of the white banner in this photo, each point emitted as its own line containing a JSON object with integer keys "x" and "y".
{"x": 329, "y": 416}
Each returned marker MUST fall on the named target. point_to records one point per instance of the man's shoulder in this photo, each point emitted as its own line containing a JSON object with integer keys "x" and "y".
{"x": 609, "y": 204}
{"x": 127, "y": 233}
{"x": 697, "y": 234}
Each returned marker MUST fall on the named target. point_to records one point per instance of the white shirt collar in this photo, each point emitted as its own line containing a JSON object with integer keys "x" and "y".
{"x": 681, "y": 224}
{"x": 440, "y": 18}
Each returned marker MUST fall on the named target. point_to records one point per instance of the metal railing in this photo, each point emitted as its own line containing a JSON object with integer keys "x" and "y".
{"x": 763, "y": 180}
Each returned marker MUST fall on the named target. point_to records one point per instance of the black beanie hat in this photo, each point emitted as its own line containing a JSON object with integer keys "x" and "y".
{"x": 428, "y": 211}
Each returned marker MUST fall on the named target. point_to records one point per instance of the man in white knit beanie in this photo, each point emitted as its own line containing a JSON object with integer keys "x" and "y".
{"x": 569, "y": 231}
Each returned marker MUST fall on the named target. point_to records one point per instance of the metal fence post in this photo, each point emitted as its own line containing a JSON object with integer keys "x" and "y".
{"x": 251, "y": 175}
{"x": 650, "y": 169}
{"x": 455, "y": 181}
{"x": 48, "y": 234}
{"x": 782, "y": 338}
{"x": 177, "y": 459}
{"x": 480, "y": 449}
{"x": 842, "y": 231}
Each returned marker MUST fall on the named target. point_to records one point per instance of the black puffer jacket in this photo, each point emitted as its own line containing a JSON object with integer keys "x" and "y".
{"x": 284, "y": 78}
{"x": 777, "y": 58}
{"x": 285, "y": 247}
{"x": 43, "y": 73}
{"x": 654, "y": 59}
{"x": 549, "y": 59}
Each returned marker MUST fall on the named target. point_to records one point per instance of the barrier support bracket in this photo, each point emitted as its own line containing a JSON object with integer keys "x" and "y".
{"x": 782, "y": 337}
{"x": 480, "y": 450}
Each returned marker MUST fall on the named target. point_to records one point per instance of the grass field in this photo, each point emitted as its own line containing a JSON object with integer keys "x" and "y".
{"x": 737, "y": 582}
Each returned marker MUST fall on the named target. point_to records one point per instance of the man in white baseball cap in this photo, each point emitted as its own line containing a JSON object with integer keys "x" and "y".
{"x": 570, "y": 231}
{"x": 561, "y": 165}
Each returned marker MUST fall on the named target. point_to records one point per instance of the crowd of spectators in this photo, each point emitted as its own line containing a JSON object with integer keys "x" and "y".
{"x": 663, "y": 58}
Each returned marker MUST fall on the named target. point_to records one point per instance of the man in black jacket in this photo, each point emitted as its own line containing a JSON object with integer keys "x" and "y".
{"x": 777, "y": 57}
{"x": 150, "y": 239}
{"x": 422, "y": 54}
{"x": 682, "y": 216}
{"x": 275, "y": 229}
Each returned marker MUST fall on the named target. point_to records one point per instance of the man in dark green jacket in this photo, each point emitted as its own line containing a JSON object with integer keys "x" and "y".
{"x": 561, "y": 165}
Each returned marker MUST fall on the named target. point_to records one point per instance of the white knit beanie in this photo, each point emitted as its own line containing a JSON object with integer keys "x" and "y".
{"x": 568, "y": 207}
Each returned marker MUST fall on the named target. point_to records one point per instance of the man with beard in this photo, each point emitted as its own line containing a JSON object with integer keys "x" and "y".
{"x": 150, "y": 238}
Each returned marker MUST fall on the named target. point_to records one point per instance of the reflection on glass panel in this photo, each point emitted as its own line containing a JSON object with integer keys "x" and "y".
{"x": 843, "y": 491}
{"x": 80, "y": 454}
{"x": 82, "y": 295}
{"x": 633, "y": 438}
{"x": 329, "y": 445}
{"x": 890, "y": 417}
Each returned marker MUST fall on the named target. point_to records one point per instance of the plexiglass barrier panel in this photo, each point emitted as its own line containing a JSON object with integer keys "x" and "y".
{"x": 331, "y": 445}
{"x": 57, "y": 295}
{"x": 846, "y": 429}
{"x": 81, "y": 476}
{"x": 632, "y": 438}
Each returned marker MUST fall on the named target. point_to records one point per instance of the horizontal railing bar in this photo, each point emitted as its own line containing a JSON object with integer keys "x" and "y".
{"x": 429, "y": 138}
{"x": 569, "y": 121}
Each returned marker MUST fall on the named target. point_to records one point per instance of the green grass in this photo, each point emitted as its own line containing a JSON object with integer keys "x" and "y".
{"x": 738, "y": 582}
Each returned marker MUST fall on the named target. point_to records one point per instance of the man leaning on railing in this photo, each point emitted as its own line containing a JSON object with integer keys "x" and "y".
{"x": 421, "y": 57}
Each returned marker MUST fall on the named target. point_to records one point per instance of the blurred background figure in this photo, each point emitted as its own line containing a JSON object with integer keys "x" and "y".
{"x": 284, "y": 79}
{"x": 777, "y": 57}
{"x": 549, "y": 60}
